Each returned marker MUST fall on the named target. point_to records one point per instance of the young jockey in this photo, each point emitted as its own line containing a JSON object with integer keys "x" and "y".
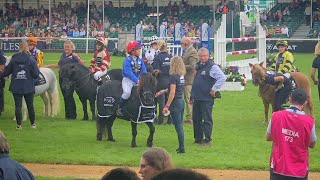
{"x": 283, "y": 90}
{"x": 153, "y": 51}
{"x": 283, "y": 62}
{"x": 132, "y": 67}
{"x": 34, "y": 51}
{"x": 100, "y": 62}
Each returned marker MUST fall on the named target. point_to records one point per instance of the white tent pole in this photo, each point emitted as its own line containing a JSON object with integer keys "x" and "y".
{"x": 103, "y": 15}
{"x": 50, "y": 15}
{"x": 311, "y": 17}
{"x": 88, "y": 16}
{"x": 158, "y": 22}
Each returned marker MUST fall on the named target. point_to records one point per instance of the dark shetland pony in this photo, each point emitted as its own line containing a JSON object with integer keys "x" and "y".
{"x": 266, "y": 91}
{"x": 77, "y": 76}
{"x": 110, "y": 92}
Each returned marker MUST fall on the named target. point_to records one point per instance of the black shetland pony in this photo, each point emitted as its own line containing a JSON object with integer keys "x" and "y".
{"x": 108, "y": 99}
{"x": 78, "y": 77}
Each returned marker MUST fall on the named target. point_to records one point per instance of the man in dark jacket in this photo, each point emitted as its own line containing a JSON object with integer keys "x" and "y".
{"x": 208, "y": 79}
{"x": 2, "y": 81}
{"x": 11, "y": 169}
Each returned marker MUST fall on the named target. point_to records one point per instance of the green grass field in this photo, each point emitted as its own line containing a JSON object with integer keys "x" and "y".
{"x": 238, "y": 135}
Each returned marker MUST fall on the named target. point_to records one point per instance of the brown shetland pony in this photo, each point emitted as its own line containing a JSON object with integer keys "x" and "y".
{"x": 266, "y": 91}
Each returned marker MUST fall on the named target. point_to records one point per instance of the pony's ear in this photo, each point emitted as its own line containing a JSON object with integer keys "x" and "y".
{"x": 250, "y": 65}
{"x": 261, "y": 64}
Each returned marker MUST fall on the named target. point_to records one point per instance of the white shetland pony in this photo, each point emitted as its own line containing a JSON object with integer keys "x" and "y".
{"x": 48, "y": 92}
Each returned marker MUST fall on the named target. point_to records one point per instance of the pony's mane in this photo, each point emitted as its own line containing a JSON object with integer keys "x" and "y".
{"x": 147, "y": 80}
{"x": 82, "y": 67}
{"x": 259, "y": 70}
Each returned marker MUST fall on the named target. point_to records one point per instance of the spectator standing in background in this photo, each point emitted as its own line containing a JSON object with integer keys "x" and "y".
{"x": 64, "y": 35}
{"x": 278, "y": 29}
{"x": 82, "y": 32}
{"x": 76, "y": 33}
{"x": 272, "y": 30}
{"x": 285, "y": 30}
{"x": 307, "y": 13}
{"x": 286, "y": 12}
{"x": 190, "y": 59}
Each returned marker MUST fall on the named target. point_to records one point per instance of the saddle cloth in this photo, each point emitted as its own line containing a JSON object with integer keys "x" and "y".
{"x": 41, "y": 80}
{"x": 108, "y": 98}
{"x": 145, "y": 114}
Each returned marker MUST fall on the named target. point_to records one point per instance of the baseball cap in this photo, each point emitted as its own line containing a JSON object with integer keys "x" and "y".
{"x": 299, "y": 96}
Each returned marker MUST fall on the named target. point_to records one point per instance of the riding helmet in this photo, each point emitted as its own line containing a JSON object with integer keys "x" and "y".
{"x": 153, "y": 39}
{"x": 102, "y": 40}
{"x": 32, "y": 40}
{"x": 133, "y": 45}
{"x": 282, "y": 43}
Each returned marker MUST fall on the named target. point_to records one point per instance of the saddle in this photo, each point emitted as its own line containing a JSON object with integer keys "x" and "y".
{"x": 41, "y": 80}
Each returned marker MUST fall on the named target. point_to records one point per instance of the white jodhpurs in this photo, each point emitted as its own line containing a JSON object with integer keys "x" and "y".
{"x": 127, "y": 85}
{"x": 97, "y": 75}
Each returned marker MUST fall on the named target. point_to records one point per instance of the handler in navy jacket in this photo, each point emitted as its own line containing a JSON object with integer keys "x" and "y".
{"x": 11, "y": 169}
{"x": 68, "y": 56}
{"x": 208, "y": 79}
{"x": 2, "y": 81}
{"x": 161, "y": 67}
{"x": 24, "y": 69}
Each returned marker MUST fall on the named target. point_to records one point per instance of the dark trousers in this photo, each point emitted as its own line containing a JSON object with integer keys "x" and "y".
{"x": 202, "y": 120}
{"x": 1, "y": 100}
{"x": 177, "y": 111}
{"x": 18, "y": 104}
{"x": 281, "y": 96}
{"x": 69, "y": 103}
{"x": 274, "y": 176}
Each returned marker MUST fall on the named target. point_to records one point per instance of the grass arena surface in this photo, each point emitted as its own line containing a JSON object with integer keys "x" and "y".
{"x": 238, "y": 134}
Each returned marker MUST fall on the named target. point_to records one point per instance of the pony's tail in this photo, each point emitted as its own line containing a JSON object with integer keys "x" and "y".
{"x": 310, "y": 105}
{"x": 55, "y": 101}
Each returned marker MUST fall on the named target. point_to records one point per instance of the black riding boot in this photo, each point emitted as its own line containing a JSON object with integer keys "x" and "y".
{"x": 119, "y": 110}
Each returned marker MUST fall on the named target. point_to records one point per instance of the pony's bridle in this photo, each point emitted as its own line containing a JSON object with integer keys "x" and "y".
{"x": 144, "y": 94}
{"x": 71, "y": 83}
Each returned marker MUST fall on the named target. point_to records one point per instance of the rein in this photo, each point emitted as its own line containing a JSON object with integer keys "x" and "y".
{"x": 74, "y": 82}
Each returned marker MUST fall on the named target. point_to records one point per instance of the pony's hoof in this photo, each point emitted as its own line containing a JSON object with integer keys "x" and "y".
{"x": 149, "y": 144}
{"x": 85, "y": 119}
{"x": 111, "y": 140}
{"x": 133, "y": 145}
{"x": 99, "y": 137}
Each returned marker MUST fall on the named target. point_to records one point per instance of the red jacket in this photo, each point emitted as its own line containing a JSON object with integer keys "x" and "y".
{"x": 100, "y": 61}
{"x": 291, "y": 137}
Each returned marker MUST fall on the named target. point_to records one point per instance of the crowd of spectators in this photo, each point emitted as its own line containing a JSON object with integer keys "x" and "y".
{"x": 279, "y": 17}
{"x": 20, "y": 22}
{"x": 64, "y": 21}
